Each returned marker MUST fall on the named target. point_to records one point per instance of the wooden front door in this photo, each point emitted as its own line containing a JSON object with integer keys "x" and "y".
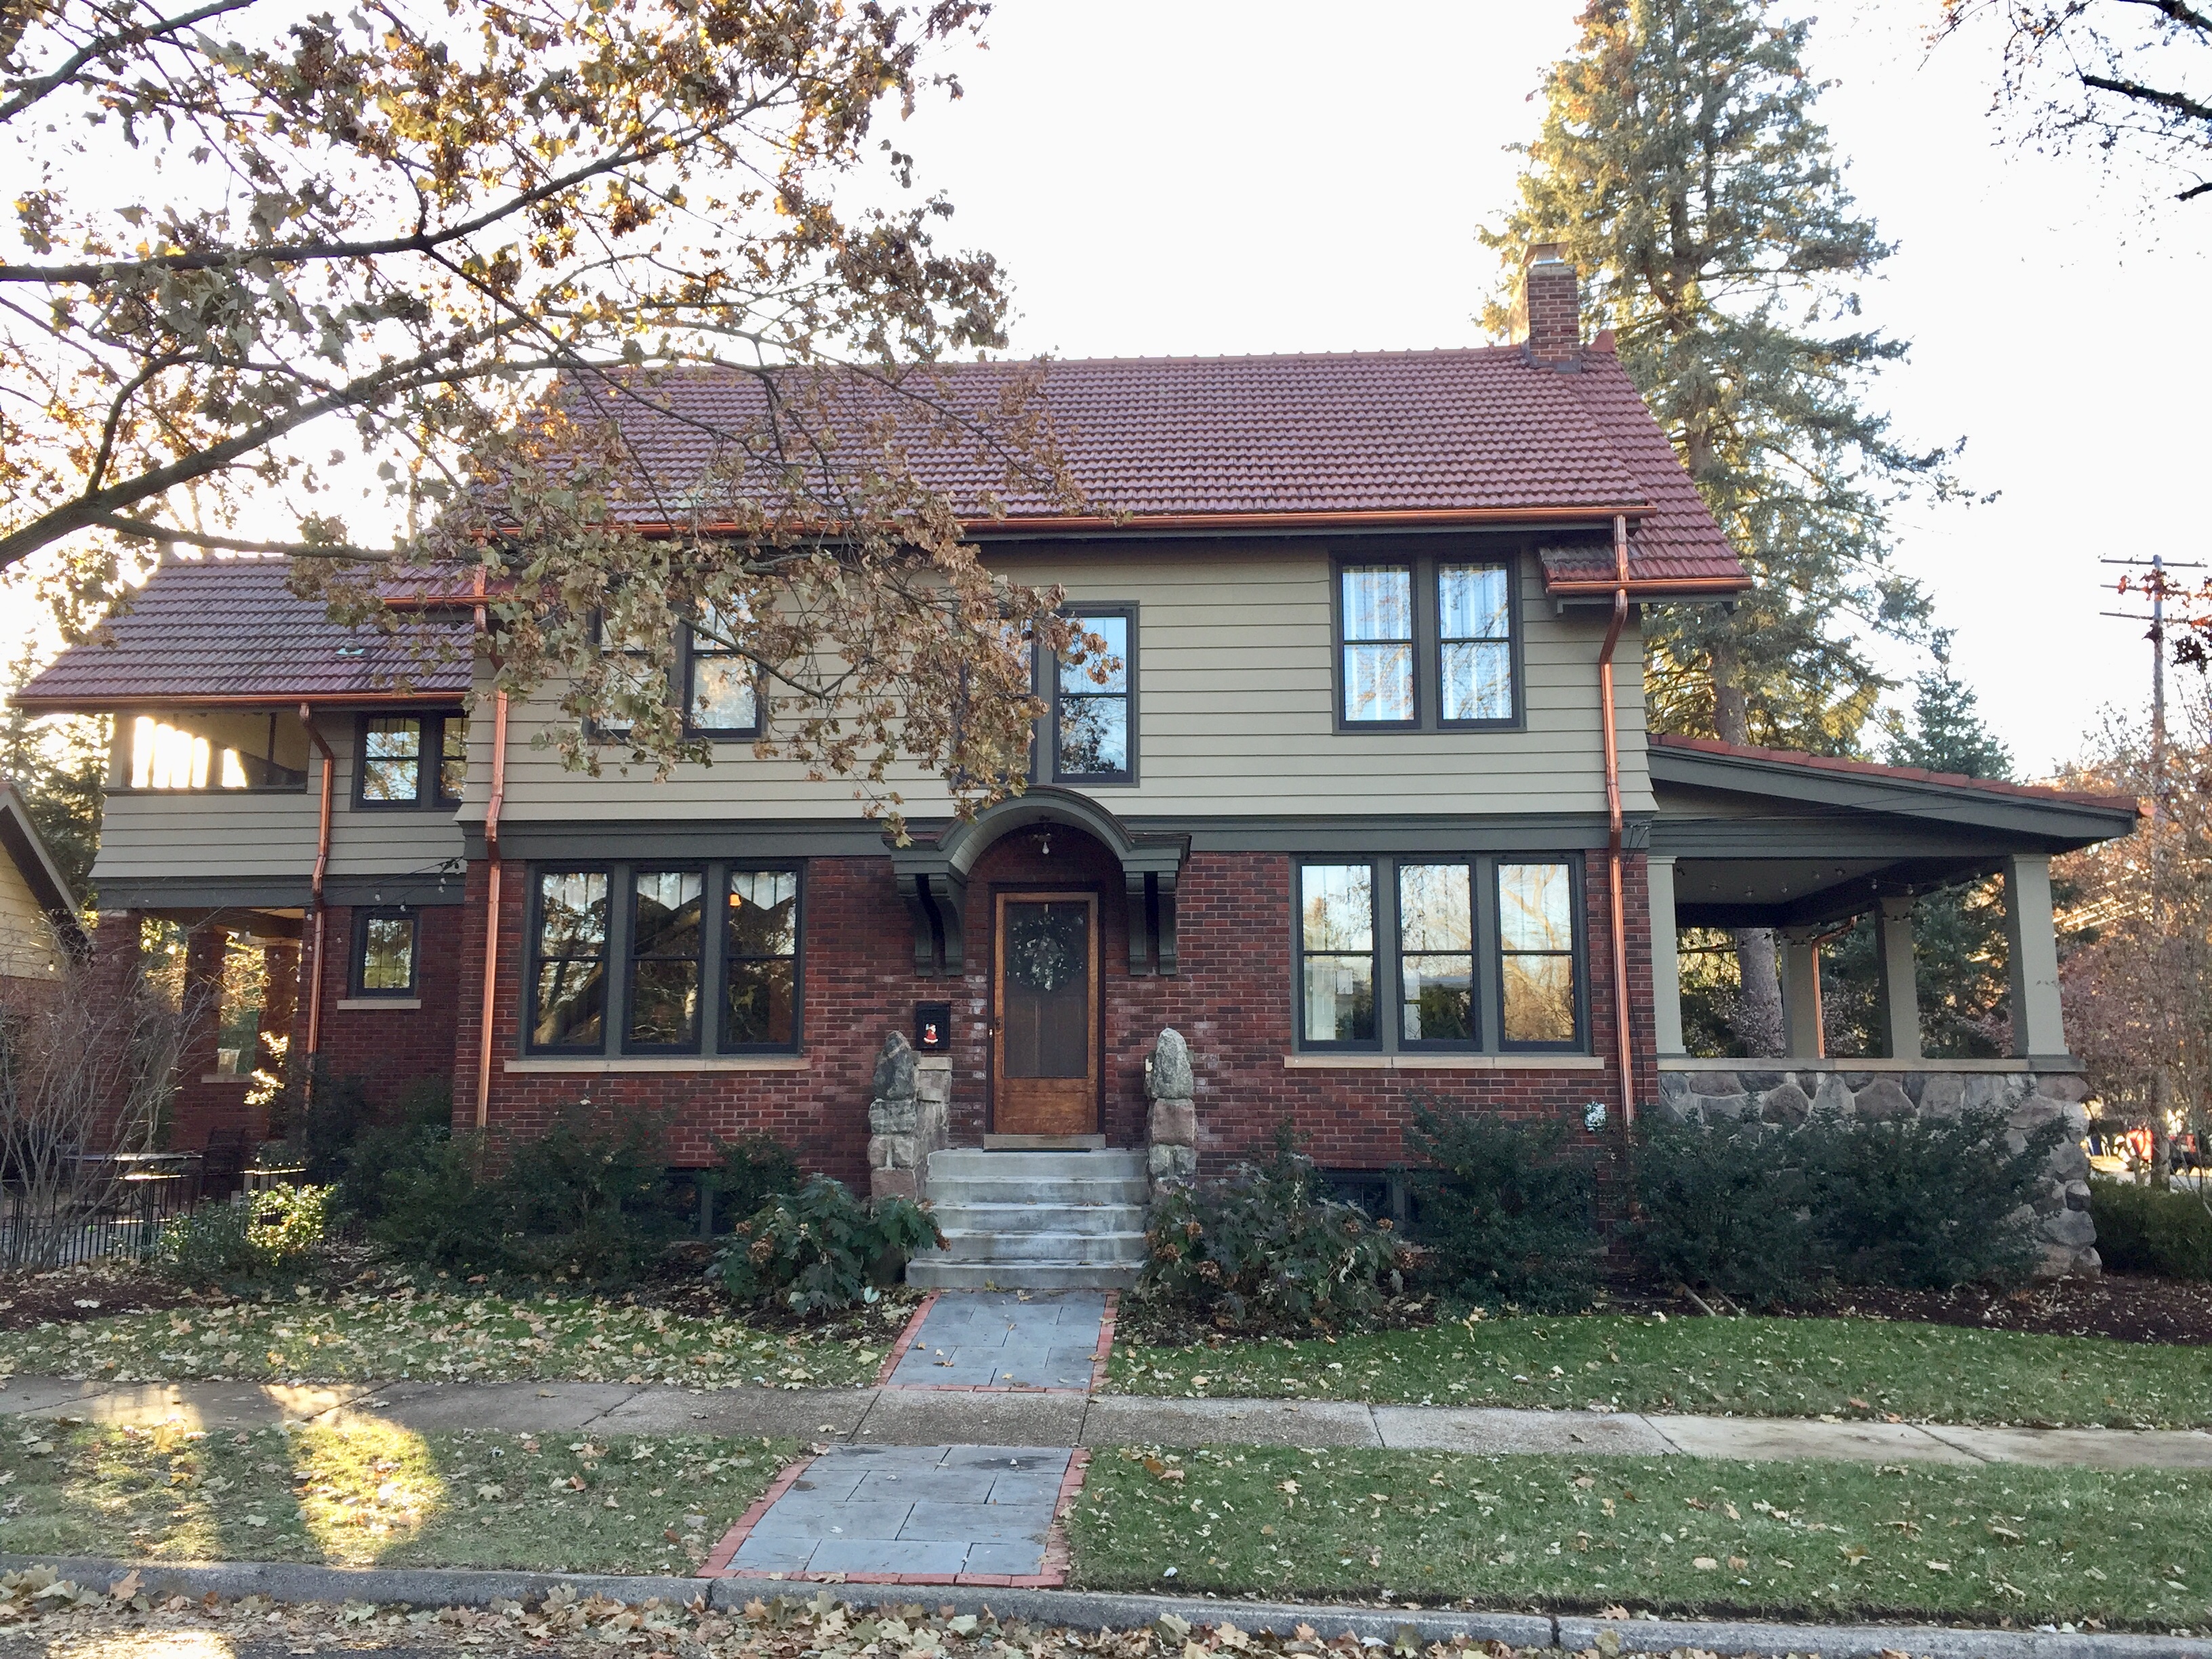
{"x": 1044, "y": 1043}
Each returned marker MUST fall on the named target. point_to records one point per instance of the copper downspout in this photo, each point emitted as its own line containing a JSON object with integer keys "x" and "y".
{"x": 491, "y": 905}
{"x": 322, "y": 864}
{"x": 1613, "y": 821}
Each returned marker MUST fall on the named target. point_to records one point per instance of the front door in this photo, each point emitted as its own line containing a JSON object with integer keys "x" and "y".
{"x": 1045, "y": 1041}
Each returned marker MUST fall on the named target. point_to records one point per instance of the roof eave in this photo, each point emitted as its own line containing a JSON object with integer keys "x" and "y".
{"x": 137, "y": 701}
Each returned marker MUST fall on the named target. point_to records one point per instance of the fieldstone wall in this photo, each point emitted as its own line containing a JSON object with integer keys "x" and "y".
{"x": 908, "y": 1119}
{"x": 2028, "y": 1099}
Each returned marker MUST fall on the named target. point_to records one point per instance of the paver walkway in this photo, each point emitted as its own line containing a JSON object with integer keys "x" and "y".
{"x": 1006, "y": 1340}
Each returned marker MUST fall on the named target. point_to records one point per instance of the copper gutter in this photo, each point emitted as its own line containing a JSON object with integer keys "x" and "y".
{"x": 144, "y": 701}
{"x": 491, "y": 905}
{"x": 1614, "y": 824}
{"x": 1380, "y": 519}
{"x": 322, "y": 866}
{"x": 1658, "y": 588}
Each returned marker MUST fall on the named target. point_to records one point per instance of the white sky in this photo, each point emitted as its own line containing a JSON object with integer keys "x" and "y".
{"x": 1213, "y": 176}
{"x": 1218, "y": 176}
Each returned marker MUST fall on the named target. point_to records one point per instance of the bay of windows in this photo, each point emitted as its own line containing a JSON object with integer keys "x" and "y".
{"x": 1419, "y": 952}
{"x": 630, "y": 958}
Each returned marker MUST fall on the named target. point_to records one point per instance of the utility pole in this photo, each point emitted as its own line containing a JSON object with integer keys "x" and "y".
{"x": 2154, "y": 586}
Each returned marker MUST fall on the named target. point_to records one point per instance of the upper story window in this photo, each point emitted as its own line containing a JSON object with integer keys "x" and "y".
{"x": 189, "y": 750}
{"x": 412, "y": 760}
{"x": 1426, "y": 643}
{"x": 653, "y": 973}
{"x": 721, "y": 697}
{"x": 1092, "y": 722}
{"x": 1420, "y": 953}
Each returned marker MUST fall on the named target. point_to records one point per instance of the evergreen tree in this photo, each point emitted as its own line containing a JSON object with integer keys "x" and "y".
{"x": 1679, "y": 165}
{"x": 59, "y": 763}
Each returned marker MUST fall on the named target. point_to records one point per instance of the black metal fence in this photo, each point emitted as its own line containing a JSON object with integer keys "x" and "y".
{"x": 116, "y": 1205}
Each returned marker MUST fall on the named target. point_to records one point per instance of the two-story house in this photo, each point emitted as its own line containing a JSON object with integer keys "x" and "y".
{"x": 1367, "y": 812}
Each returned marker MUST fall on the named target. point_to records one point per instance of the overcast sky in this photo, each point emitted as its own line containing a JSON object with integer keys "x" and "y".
{"x": 1213, "y": 176}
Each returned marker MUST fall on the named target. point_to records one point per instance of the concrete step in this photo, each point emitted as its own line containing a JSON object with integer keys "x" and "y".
{"x": 1088, "y": 1218}
{"x": 938, "y": 1274}
{"x": 1085, "y": 1191}
{"x": 1116, "y": 1164}
{"x": 1072, "y": 1248}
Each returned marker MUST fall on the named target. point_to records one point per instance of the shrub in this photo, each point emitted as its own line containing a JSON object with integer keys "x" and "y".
{"x": 1925, "y": 1203}
{"x": 589, "y": 1199}
{"x": 258, "y": 1234}
{"x": 1506, "y": 1213}
{"x": 2141, "y": 1229}
{"x": 1722, "y": 1206}
{"x": 433, "y": 1207}
{"x": 749, "y": 1172}
{"x": 1766, "y": 1212}
{"x": 1266, "y": 1249}
{"x": 821, "y": 1248}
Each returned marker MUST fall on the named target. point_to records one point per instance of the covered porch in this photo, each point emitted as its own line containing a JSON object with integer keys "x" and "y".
{"x": 1746, "y": 837}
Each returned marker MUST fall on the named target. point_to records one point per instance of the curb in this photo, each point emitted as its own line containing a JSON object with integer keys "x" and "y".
{"x": 1090, "y": 1610}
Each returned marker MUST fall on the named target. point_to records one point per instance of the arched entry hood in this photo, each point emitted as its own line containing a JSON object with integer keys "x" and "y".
{"x": 933, "y": 876}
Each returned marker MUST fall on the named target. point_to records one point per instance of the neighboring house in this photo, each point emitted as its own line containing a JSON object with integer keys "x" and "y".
{"x": 38, "y": 925}
{"x": 1349, "y": 819}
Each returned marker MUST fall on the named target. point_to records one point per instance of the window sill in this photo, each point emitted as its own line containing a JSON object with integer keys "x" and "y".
{"x": 371, "y": 1005}
{"x": 555, "y": 1064}
{"x": 239, "y": 1078}
{"x": 1443, "y": 1063}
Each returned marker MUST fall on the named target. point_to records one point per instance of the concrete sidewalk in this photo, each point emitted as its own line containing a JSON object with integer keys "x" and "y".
{"x": 908, "y": 1417}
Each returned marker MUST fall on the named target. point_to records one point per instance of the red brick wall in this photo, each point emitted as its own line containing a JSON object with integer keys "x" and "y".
{"x": 1231, "y": 1000}
{"x": 385, "y": 1049}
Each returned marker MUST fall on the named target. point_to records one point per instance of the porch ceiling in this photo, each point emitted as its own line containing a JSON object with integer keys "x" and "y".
{"x": 1791, "y": 892}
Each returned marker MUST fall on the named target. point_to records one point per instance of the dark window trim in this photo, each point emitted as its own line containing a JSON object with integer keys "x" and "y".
{"x": 1050, "y": 676}
{"x": 627, "y": 935}
{"x": 688, "y": 653}
{"x": 1396, "y": 968}
{"x": 1489, "y": 956}
{"x": 612, "y": 1015}
{"x": 359, "y": 969}
{"x": 1428, "y": 647}
{"x": 429, "y": 784}
{"x": 1578, "y": 965}
{"x": 1376, "y": 932}
{"x": 722, "y": 1043}
{"x": 1411, "y": 564}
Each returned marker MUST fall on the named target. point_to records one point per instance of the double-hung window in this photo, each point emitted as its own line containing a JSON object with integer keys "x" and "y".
{"x": 1421, "y": 953}
{"x": 384, "y": 953}
{"x": 1426, "y": 643}
{"x": 721, "y": 697}
{"x": 1091, "y": 719}
{"x": 412, "y": 759}
{"x": 629, "y": 959}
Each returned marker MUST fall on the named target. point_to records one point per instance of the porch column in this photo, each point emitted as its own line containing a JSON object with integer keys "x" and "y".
{"x": 1900, "y": 996}
{"x": 1801, "y": 991}
{"x": 1665, "y": 964}
{"x": 2032, "y": 945}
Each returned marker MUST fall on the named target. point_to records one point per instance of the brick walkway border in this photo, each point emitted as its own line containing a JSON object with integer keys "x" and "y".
{"x": 906, "y": 1340}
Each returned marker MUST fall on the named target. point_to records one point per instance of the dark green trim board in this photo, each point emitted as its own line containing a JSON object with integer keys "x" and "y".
{"x": 201, "y": 893}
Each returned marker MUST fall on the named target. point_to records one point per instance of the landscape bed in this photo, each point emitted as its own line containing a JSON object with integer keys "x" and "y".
{"x": 384, "y": 1336}
{"x": 1675, "y": 1536}
{"x": 376, "y": 1494}
{"x": 1763, "y": 1367}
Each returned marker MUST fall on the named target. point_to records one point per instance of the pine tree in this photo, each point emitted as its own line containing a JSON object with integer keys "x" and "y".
{"x": 1679, "y": 165}
{"x": 59, "y": 763}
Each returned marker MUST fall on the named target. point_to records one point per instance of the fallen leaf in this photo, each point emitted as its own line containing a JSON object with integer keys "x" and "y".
{"x": 125, "y": 1587}
{"x": 1704, "y": 1563}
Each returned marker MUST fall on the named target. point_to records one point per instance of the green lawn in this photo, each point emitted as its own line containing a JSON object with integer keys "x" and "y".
{"x": 378, "y": 1494}
{"x": 380, "y": 1336}
{"x": 1754, "y": 1367}
{"x": 1672, "y": 1534}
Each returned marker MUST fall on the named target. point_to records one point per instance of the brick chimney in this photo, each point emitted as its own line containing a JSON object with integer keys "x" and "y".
{"x": 1551, "y": 305}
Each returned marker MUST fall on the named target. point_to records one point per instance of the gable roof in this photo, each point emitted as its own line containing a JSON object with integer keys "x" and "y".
{"x": 19, "y": 838}
{"x": 231, "y": 632}
{"x": 1483, "y": 435}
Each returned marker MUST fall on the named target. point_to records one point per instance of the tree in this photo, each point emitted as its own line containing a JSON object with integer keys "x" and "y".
{"x": 258, "y": 252}
{"x": 1679, "y": 165}
{"x": 2122, "y": 76}
{"x": 1960, "y": 964}
{"x": 59, "y": 765}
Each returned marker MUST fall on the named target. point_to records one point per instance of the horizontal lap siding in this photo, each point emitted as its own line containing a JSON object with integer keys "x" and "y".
{"x": 1235, "y": 690}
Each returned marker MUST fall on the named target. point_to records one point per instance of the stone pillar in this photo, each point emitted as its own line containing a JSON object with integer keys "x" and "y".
{"x": 2032, "y": 943}
{"x": 1801, "y": 991}
{"x": 906, "y": 1124}
{"x": 1666, "y": 960}
{"x": 1171, "y": 1157}
{"x": 1900, "y": 995}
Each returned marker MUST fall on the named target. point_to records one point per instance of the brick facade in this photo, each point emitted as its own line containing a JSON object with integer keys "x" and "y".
{"x": 384, "y": 1048}
{"x": 1232, "y": 1000}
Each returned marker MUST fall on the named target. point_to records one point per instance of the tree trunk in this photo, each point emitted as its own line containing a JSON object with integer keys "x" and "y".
{"x": 1758, "y": 1018}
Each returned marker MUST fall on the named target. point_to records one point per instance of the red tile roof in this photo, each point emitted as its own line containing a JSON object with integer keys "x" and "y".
{"x": 1381, "y": 438}
{"x": 229, "y": 631}
{"x": 1909, "y": 774}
